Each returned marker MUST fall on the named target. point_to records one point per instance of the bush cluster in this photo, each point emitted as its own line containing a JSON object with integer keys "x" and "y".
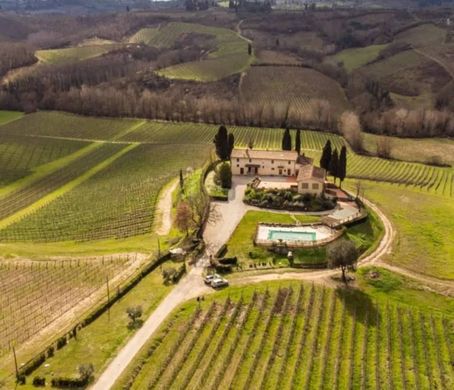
{"x": 286, "y": 200}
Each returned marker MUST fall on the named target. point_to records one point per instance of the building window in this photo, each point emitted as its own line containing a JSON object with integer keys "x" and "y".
{"x": 304, "y": 186}
{"x": 315, "y": 186}
{"x": 272, "y": 169}
{"x": 272, "y": 161}
{"x": 289, "y": 162}
{"x": 237, "y": 160}
{"x": 237, "y": 165}
{"x": 249, "y": 160}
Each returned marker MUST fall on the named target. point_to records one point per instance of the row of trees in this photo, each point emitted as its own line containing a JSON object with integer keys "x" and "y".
{"x": 333, "y": 162}
{"x": 287, "y": 140}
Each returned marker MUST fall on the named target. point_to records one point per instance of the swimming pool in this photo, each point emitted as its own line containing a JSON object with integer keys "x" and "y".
{"x": 291, "y": 235}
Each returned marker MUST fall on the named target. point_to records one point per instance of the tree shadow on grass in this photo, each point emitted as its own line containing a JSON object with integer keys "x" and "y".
{"x": 359, "y": 305}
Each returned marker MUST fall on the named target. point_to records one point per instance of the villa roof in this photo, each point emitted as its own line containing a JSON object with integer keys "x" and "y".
{"x": 303, "y": 160}
{"x": 311, "y": 172}
{"x": 265, "y": 154}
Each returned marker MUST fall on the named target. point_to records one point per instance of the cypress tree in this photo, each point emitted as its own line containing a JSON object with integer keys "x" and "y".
{"x": 334, "y": 165}
{"x": 286, "y": 140}
{"x": 221, "y": 143}
{"x": 342, "y": 169}
{"x": 181, "y": 181}
{"x": 326, "y": 156}
{"x": 298, "y": 141}
{"x": 231, "y": 142}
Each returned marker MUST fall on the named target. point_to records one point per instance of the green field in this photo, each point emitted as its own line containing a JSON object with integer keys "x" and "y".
{"x": 118, "y": 202}
{"x": 9, "y": 116}
{"x": 229, "y": 57}
{"x": 425, "y": 227}
{"x": 358, "y": 57}
{"x": 422, "y": 35}
{"x": 20, "y": 155}
{"x": 287, "y": 335}
{"x": 73, "y": 54}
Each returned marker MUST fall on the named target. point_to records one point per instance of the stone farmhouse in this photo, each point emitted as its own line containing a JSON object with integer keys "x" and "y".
{"x": 309, "y": 178}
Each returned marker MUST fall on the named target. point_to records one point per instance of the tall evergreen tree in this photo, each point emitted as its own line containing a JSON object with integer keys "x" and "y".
{"x": 298, "y": 141}
{"x": 286, "y": 140}
{"x": 181, "y": 181}
{"x": 334, "y": 165}
{"x": 221, "y": 143}
{"x": 231, "y": 141}
{"x": 326, "y": 156}
{"x": 342, "y": 169}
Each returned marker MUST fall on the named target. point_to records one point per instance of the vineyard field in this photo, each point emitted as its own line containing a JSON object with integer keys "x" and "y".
{"x": 27, "y": 195}
{"x": 73, "y": 54}
{"x": 33, "y": 294}
{"x": 229, "y": 57}
{"x": 296, "y": 336}
{"x": 294, "y": 86}
{"x": 63, "y": 125}
{"x": 118, "y": 202}
{"x": 20, "y": 155}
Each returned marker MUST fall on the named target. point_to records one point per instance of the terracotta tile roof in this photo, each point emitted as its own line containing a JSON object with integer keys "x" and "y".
{"x": 265, "y": 154}
{"x": 310, "y": 172}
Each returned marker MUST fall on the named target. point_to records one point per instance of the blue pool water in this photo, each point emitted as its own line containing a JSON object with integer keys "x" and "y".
{"x": 289, "y": 235}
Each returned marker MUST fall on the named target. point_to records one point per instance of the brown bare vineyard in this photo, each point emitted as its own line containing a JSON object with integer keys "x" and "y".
{"x": 33, "y": 294}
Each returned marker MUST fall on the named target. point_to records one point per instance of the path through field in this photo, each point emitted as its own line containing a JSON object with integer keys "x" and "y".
{"x": 164, "y": 210}
{"x": 189, "y": 287}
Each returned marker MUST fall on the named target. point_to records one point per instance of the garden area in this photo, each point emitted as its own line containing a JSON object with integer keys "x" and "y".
{"x": 286, "y": 199}
{"x": 364, "y": 235}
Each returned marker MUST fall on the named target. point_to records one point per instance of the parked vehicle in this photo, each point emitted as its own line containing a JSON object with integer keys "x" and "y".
{"x": 209, "y": 278}
{"x": 219, "y": 282}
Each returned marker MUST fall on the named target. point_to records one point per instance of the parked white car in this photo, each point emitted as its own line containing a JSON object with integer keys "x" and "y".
{"x": 219, "y": 282}
{"x": 209, "y": 278}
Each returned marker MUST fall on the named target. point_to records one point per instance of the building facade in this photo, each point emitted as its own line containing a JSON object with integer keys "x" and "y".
{"x": 250, "y": 162}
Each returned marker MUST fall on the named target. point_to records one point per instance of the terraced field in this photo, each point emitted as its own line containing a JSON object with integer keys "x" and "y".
{"x": 229, "y": 57}
{"x": 9, "y": 116}
{"x": 296, "y": 336}
{"x": 33, "y": 294}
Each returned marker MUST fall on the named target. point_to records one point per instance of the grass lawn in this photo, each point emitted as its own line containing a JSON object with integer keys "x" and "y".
{"x": 241, "y": 243}
{"x": 365, "y": 236}
{"x": 99, "y": 341}
{"x": 9, "y": 116}
{"x": 425, "y": 227}
{"x": 357, "y": 57}
{"x": 389, "y": 286}
{"x": 214, "y": 189}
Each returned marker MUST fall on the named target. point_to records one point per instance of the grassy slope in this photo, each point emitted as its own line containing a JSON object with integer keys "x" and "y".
{"x": 358, "y": 57}
{"x": 9, "y": 116}
{"x": 425, "y": 228}
{"x": 420, "y": 150}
